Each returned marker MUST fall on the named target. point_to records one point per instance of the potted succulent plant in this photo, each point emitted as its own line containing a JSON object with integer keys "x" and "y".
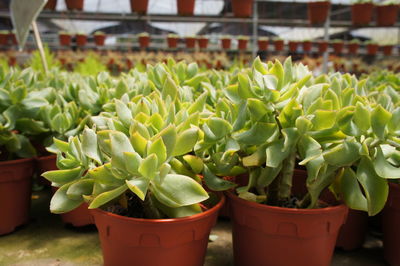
{"x": 293, "y": 46}
{"x": 372, "y": 47}
{"x": 64, "y": 38}
{"x": 81, "y": 39}
{"x": 242, "y": 42}
{"x": 387, "y": 13}
{"x": 3, "y": 37}
{"x": 322, "y": 46}
{"x": 279, "y": 44}
{"x": 263, "y": 43}
{"x": 185, "y": 7}
{"x": 387, "y": 49}
{"x": 361, "y": 12}
{"x": 99, "y": 38}
{"x": 131, "y": 179}
{"x": 190, "y": 42}
{"x": 50, "y": 5}
{"x": 307, "y": 46}
{"x": 74, "y": 4}
{"x": 139, "y": 6}
{"x": 202, "y": 42}
{"x": 226, "y": 42}
{"x": 353, "y": 46}
{"x": 172, "y": 40}
{"x": 318, "y": 11}
{"x": 338, "y": 46}
{"x": 144, "y": 40}
{"x": 242, "y": 8}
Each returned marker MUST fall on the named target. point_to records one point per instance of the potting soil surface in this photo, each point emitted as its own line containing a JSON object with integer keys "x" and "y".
{"x": 46, "y": 241}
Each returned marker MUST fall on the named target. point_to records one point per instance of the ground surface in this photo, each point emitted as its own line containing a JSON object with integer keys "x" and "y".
{"x": 45, "y": 241}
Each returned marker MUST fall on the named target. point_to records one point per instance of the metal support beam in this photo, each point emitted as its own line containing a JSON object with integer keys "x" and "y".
{"x": 326, "y": 38}
{"x": 255, "y": 29}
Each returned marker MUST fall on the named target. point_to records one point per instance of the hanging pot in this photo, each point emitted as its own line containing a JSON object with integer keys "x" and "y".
{"x": 318, "y": 11}
{"x": 81, "y": 39}
{"x": 361, "y": 13}
{"x": 242, "y": 44}
{"x": 353, "y": 48}
{"x": 242, "y": 8}
{"x": 279, "y": 45}
{"x": 139, "y": 6}
{"x": 293, "y": 46}
{"x": 185, "y": 7}
{"x": 144, "y": 41}
{"x": 338, "y": 47}
{"x": 190, "y": 42}
{"x": 386, "y": 15}
{"x": 74, "y": 4}
{"x": 50, "y": 5}
{"x": 180, "y": 241}
{"x": 172, "y": 42}
{"x": 267, "y": 235}
{"x": 203, "y": 42}
{"x": 65, "y": 39}
{"x": 307, "y": 46}
{"x": 15, "y": 193}
{"x": 99, "y": 39}
{"x": 390, "y": 225}
{"x": 263, "y": 45}
{"x": 387, "y": 49}
{"x": 226, "y": 43}
{"x": 322, "y": 47}
{"x": 372, "y": 49}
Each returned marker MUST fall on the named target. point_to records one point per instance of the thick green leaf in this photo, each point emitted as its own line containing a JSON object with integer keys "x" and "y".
{"x": 216, "y": 183}
{"x": 158, "y": 148}
{"x": 80, "y": 188}
{"x": 107, "y": 196}
{"x": 63, "y": 176}
{"x": 258, "y": 134}
{"x": 89, "y": 145}
{"x": 149, "y": 166}
{"x": 351, "y": 191}
{"x": 139, "y": 186}
{"x": 61, "y": 203}
{"x": 119, "y": 144}
{"x": 123, "y": 112}
{"x": 383, "y": 168}
{"x": 185, "y": 141}
{"x": 379, "y": 119}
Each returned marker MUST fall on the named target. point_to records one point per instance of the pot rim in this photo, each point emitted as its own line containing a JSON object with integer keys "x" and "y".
{"x": 194, "y": 217}
{"x": 17, "y": 161}
{"x": 46, "y": 157}
{"x": 284, "y": 210}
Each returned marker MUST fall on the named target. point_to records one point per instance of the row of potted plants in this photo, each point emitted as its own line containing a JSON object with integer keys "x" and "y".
{"x": 156, "y": 143}
{"x": 65, "y": 38}
{"x": 7, "y": 38}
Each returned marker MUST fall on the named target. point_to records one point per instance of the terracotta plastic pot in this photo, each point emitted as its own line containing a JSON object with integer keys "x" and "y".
{"x": 15, "y": 193}
{"x": 74, "y": 4}
{"x": 372, "y": 49}
{"x": 203, "y": 42}
{"x": 361, "y": 14}
{"x": 307, "y": 46}
{"x": 318, "y": 11}
{"x": 242, "y": 8}
{"x": 12, "y": 61}
{"x": 322, "y": 47}
{"x": 353, "y": 48}
{"x": 266, "y": 235}
{"x": 279, "y": 45}
{"x": 144, "y": 41}
{"x": 386, "y": 15}
{"x": 185, "y": 7}
{"x": 338, "y": 47}
{"x": 50, "y": 5}
{"x": 226, "y": 43}
{"x": 352, "y": 234}
{"x": 293, "y": 46}
{"x": 262, "y": 45}
{"x": 46, "y": 163}
{"x": 3, "y": 38}
{"x": 172, "y": 42}
{"x": 81, "y": 39}
{"x": 242, "y": 44}
{"x": 181, "y": 241}
{"x": 139, "y": 6}
{"x": 190, "y": 42}
{"x": 99, "y": 39}
{"x": 12, "y": 39}
{"x": 65, "y": 39}
{"x": 387, "y": 49}
{"x": 390, "y": 225}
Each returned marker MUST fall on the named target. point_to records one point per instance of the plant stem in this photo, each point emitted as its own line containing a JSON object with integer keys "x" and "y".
{"x": 149, "y": 209}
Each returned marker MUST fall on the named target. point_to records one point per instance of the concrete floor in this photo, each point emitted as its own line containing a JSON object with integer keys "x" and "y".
{"x": 45, "y": 241}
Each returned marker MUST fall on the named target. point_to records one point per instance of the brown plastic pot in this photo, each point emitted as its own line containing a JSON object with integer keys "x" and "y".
{"x": 185, "y": 7}
{"x": 322, "y": 47}
{"x": 181, "y": 241}
{"x": 338, "y": 47}
{"x": 361, "y": 14}
{"x": 352, "y": 234}
{"x": 202, "y": 42}
{"x": 307, "y": 46}
{"x": 293, "y": 46}
{"x": 278, "y": 45}
{"x": 226, "y": 43}
{"x": 15, "y": 193}
{"x": 65, "y": 39}
{"x": 50, "y": 5}
{"x": 190, "y": 42}
{"x": 386, "y": 15}
{"x": 318, "y": 11}
{"x": 81, "y": 39}
{"x": 387, "y": 49}
{"x": 172, "y": 42}
{"x": 144, "y": 41}
{"x": 353, "y": 48}
{"x": 139, "y": 6}
{"x": 3, "y": 38}
{"x": 74, "y": 4}
{"x": 12, "y": 39}
{"x": 242, "y": 44}
{"x": 266, "y": 235}
{"x": 262, "y": 45}
{"x": 46, "y": 163}
{"x": 372, "y": 49}
{"x": 99, "y": 39}
{"x": 390, "y": 225}
{"x": 242, "y": 8}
